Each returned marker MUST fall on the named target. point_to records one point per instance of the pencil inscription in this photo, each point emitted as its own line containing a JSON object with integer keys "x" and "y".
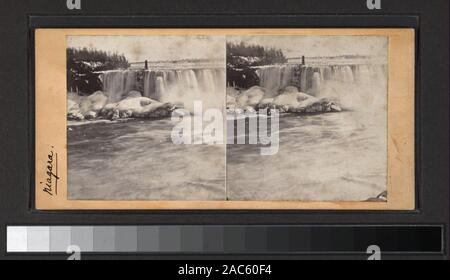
{"x": 50, "y": 186}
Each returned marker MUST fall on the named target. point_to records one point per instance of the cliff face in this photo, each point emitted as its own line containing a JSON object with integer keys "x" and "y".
{"x": 84, "y": 65}
{"x": 242, "y": 61}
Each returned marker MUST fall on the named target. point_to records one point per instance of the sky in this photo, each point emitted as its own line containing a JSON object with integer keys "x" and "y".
{"x": 156, "y": 48}
{"x": 311, "y": 46}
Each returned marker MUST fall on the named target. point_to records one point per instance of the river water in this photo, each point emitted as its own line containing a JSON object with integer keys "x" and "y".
{"x": 322, "y": 157}
{"x": 332, "y": 156}
{"x": 136, "y": 160}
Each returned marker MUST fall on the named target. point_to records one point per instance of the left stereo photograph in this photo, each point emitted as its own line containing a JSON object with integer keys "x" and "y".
{"x": 223, "y": 119}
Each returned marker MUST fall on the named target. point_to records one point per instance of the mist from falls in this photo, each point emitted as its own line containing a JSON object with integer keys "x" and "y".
{"x": 186, "y": 86}
{"x": 353, "y": 86}
{"x": 182, "y": 86}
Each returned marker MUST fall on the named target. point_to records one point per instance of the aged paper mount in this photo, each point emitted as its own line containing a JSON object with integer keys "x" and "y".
{"x": 51, "y": 166}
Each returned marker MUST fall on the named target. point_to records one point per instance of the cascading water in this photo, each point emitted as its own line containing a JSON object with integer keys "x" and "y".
{"x": 344, "y": 83}
{"x": 186, "y": 86}
{"x": 273, "y": 78}
{"x": 309, "y": 78}
{"x": 117, "y": 83}
{"x": 181, "y": 86}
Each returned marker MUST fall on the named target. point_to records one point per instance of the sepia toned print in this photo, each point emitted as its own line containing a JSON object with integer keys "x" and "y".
{"x": 332, "y": 94}
{"x": 122, "y": 91}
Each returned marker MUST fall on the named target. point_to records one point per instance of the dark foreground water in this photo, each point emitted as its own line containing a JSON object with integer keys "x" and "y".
{"x": 335, "y": 156}
{"x": 324, "y": 157}
{"x": 136, "y": 160}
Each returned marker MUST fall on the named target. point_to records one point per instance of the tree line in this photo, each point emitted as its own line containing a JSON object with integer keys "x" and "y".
{"x": 258, "y": 55}
{"x": 82, "y": 65}
{"x": 104, "y": 60}
{"x": 242, "y": 58}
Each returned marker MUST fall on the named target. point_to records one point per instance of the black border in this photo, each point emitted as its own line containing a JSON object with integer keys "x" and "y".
{"x": 432, "y": 146}
{"x": 220, "y": 21}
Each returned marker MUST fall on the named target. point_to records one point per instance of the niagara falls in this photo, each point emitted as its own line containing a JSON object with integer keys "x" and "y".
{"x": 330, "y": 130}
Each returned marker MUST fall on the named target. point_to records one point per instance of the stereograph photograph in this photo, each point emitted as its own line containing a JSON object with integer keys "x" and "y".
{"x": 279, "y": 119}
{"x": 331, "y": 92}
{"x": 122, "y": 91}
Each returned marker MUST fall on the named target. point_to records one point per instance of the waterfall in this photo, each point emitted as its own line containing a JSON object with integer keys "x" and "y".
{"x": 363, "y": 74}
{"x": 311, "y": 79}
{"x": 273, "y": 78}
{"x": 181, "y": 86}
{"x": 186, "y": 86}
{"x": 117, "y": 83}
